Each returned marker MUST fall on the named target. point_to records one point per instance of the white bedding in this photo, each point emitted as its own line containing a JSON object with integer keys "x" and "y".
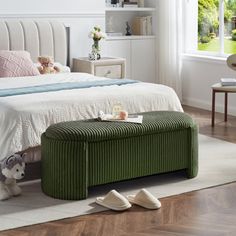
{"x": 24, "y": 118}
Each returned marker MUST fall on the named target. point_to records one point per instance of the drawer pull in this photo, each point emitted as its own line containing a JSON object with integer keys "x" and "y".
{"x": 108, "y": 73}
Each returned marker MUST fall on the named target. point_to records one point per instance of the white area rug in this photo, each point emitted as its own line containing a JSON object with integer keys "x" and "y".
{"x": 217, "y": 165}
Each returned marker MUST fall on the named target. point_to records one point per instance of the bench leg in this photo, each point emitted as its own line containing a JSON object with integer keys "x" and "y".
{"x": 64, "y": 169}
{"x": 192, "y": 169}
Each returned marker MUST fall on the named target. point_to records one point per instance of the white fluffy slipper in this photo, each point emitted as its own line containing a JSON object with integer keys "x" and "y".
{"x": 114, "y": 200}
{"x": 145, "y": 199}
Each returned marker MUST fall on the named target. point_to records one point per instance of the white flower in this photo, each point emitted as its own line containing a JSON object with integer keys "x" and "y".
{"x": 96, "y": 33}
{"x": 97, "y": 27}
{"x": 91, "y": 33}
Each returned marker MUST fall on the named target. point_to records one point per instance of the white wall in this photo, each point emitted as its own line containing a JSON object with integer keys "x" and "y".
{"x": 79, "y": 15}
{"x": 199, "y": 73}
{"x": 50, "y": 6}
{"x": 198, "y": 77}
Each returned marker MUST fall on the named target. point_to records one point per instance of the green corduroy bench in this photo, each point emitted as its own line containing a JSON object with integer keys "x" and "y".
{"x": 80, "y": 154}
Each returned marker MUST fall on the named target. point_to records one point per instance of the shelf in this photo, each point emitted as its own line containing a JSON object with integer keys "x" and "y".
{"x": 130, "y": 9}
{"x": 132, "y": 37}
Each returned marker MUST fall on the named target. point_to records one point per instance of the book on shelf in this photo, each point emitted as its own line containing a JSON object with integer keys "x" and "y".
{"x": 142, "y": 25}
{"x": 130, "y": 4}
{"x": 228, "y": 81}
{"x": 149, "y": 25}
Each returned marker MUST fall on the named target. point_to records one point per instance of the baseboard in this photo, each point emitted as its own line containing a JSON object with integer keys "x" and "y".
{"x": 207, "y": 106}
{"x": 23, "y": 183}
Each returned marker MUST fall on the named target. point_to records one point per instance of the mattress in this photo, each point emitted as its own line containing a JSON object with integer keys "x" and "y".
{"x": 24, "y": 117}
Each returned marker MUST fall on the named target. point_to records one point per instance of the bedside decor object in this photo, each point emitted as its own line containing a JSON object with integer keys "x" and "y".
{"x": 109, "y": 67}
{"x": 128, "y": 29}
{"x": 228, "y": 81}
{"x": 109, "y": 25}
{"x": 140, "y": 3}
{"x": 130, "y": 4}
{"x": 47, "y": 65}
{"x": 96, "y": 34}
{"x": 231, "y": 61}
{"x": 114, "y": 2}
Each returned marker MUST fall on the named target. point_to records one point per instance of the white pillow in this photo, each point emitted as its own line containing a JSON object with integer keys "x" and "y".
{"x": 63, "y": 69}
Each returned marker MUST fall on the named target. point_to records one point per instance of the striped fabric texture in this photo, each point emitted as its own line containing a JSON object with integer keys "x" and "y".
{"x": 80, "y": 154}
{"x": 16, "y": 64}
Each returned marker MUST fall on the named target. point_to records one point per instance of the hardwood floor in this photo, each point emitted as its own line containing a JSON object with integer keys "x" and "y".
{"x": 221, "y": 130}
{"x": 205, "y": 212}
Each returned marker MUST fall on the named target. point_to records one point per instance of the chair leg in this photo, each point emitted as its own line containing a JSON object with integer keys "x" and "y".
{"x": 213, "y": 109}
{"x": 226, "y": 106}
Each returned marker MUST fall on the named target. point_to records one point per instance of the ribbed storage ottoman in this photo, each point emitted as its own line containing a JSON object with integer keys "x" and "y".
{"x": 80, "y": 154}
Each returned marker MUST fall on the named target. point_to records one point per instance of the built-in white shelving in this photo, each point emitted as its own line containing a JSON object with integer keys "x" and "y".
{"x": 117, "y": 17}
{"x": 134, "y": 9}
{"x": 139, "y": 49}
{"x": 132, "y": 37}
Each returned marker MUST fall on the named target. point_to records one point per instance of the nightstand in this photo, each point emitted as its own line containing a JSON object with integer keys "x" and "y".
{"x": 218, "y": 88}
{"x": 110, "y": 67}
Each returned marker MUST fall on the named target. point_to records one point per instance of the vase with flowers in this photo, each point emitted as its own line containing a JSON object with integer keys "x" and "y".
{"x": 96, "y": 34}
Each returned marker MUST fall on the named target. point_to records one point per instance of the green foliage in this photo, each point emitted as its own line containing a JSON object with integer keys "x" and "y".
{"x": 234, "y": 32}
{"x": 205, "y": 39}
{"x": 230, "y": 5}
{"x": 228, "y": 14}
{"x": 212, "y": 35}
{"x": 208, "y": 16}
{"x": 233, "y": 35}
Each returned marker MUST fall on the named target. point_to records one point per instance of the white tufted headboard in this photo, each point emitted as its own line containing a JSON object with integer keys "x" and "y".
{"x": 36, "y": 37}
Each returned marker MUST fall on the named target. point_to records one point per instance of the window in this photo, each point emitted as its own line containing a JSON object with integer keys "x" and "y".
{"x": 217, "y": 26}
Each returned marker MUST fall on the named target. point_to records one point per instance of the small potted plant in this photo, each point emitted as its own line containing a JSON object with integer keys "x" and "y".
{"x": 96, "y": 34}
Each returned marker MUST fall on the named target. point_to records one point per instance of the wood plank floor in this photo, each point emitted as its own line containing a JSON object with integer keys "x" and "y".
{"x": 205, "y": 212}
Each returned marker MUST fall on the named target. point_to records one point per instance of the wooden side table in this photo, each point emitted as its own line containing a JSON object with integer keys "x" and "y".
{"x": 218, "y": 88}
{"x": 105, "y": 67}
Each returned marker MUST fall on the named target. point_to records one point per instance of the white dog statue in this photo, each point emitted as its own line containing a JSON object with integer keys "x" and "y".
{"x": 11, "y": 169}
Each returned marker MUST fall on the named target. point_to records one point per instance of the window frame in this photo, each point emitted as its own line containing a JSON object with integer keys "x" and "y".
{"x": 192, "y": 49}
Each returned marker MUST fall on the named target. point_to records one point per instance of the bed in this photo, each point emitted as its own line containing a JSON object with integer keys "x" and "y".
{"x": 25, "y": 116}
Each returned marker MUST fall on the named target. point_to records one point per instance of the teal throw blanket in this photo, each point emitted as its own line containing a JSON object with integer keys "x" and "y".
{"x": 63, "y": 86}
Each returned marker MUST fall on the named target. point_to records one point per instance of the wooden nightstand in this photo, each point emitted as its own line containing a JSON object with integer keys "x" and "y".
{"x": 106, "y": 67}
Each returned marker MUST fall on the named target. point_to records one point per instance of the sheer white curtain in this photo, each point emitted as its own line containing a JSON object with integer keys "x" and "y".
{"x": 169, "y": 43}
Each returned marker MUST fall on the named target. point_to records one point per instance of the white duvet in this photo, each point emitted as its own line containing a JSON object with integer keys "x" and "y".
{"x": 23, "y": 118}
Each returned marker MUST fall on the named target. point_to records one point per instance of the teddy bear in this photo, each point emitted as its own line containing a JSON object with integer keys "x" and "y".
{"x": 47, "y": 65}
{"x": 12, "y": 168}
